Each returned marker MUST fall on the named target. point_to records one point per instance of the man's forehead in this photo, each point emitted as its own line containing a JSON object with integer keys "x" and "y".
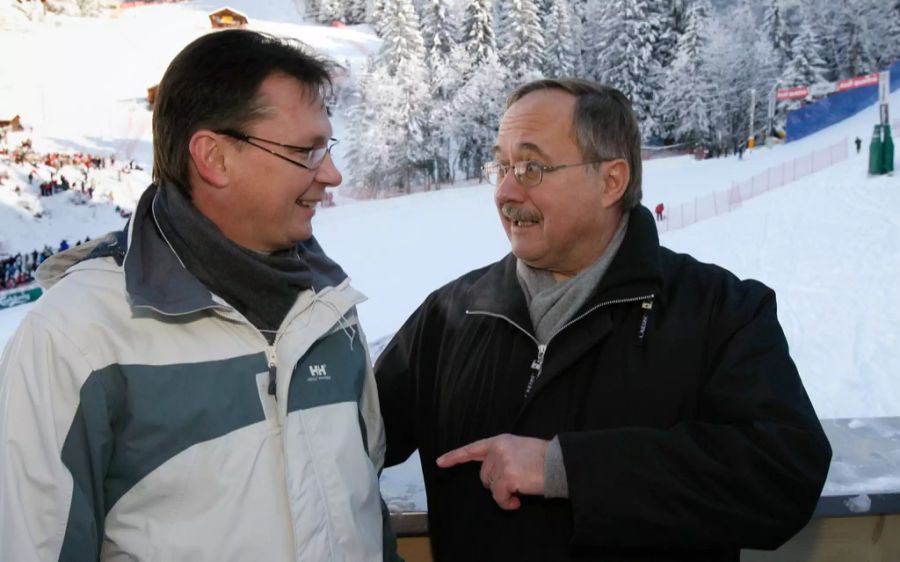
{"x": 539, "y": 109}
{"x": 285, "y": 92}
{"x": 534, "y": 126}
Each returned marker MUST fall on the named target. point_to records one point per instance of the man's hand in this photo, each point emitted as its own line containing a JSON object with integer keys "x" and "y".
{"x": 510, "y": 465}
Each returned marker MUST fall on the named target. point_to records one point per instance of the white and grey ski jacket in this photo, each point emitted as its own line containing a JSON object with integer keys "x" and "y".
{"x": 136, "y": 421}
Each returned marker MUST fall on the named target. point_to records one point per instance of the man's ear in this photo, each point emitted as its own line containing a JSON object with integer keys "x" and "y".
{"x": 208, "y": 155}
{"x": 616, "y": 176}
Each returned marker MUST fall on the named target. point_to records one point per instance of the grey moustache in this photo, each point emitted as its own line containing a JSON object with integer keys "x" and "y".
{"x": 517, "y": 214}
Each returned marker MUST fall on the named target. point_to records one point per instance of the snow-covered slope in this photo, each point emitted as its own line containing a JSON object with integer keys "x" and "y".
{"x": 82, "y": 82}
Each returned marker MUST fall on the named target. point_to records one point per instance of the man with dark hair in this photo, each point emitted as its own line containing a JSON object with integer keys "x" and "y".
{"x": 197, "y": 387}
{"x": 594, "y": 395}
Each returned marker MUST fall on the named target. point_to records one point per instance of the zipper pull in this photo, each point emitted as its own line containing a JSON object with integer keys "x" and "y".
{"x": 647, "y": 305}
{"x": 536, "y": 367}
{"x": 273, "y": 377}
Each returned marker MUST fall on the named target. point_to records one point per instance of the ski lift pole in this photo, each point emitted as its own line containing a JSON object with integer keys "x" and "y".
{"x": 751, "y": 140}
{"x": 770, "y": 126}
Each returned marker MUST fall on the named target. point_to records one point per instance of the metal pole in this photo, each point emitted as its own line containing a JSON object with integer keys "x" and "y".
{"x": 771, "y": 124}
{"x": 752, "y": 108}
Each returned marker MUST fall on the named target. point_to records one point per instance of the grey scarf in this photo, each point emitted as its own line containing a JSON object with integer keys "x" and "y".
{"x": 550, "y": 303}
{"x": 262, "y": 287}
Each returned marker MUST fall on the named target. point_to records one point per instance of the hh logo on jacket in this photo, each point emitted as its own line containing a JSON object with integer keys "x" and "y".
{"x": 318, "y": 373}
{"x": 332, "y": 371}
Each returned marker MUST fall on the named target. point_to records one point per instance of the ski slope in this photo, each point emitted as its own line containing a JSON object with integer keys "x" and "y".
{"x": 828, "y": 244}
{"x": 82, "y": 82}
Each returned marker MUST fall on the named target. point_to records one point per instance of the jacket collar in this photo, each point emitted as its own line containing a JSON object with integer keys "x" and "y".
{"x": 154, "y": 276}
{"x": 634, "y": 272}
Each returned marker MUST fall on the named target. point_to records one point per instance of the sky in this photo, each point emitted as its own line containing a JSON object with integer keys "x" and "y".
{"x": 827, "y": 244}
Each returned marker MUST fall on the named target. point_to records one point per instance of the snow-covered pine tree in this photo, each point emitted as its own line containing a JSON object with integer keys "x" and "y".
{"x": 355, "y": 11}
{"x": 893, "y": 33}
{"x": 743, "y": 60}
{"x": 597, "y": 30}
{"x": 398, "y": 88}
{"x": 402, "y": 39}
{"x": 446, "y": 59}
{"x": 438, "y": 32}
{"x": 477, "y": 108}
{"x": 820, "y": 16}
{"x": 688, "y": 97}
{"x": 883, "y": 29}
{"x": 855, "y": 55}
{"x": 562, "y": 52}
{"x": 522, "y": 45}
{"x": 447, "y": 75}
{"x": 478, "y": 32}
{"x": 369, "y": 146}
{"x": 312, "y": 9}
{"x": 626, "y": 58}
{"x": 376, "y": 16}
{"x": 662, "y": 17}
{"x": 678, "y": 9}
{"x": 330, "y": 10}
{"x": 577, "y": 10}
{"x": 805, "y": 67}
{"x": 775, "y": 31}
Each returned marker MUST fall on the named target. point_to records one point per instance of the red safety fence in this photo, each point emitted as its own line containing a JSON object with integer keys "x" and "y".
{"x": 721, "y": 202}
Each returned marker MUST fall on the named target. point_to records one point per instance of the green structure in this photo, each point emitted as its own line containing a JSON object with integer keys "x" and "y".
{"x": 876, "y": 153}
{"x": 881, "y": 151}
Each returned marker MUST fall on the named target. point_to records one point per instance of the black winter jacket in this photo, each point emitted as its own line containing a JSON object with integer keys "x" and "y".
{"x": 685, "y": 429}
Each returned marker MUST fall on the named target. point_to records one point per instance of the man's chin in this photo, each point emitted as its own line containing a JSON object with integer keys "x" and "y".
{"x": 528, "y": 257}
{"x": 301, "y": 234}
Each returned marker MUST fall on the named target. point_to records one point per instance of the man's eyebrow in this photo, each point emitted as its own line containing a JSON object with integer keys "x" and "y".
{"x": 525, "y": 146}
{"x": 316, "y": 141}
{"x": 530, "y": 147}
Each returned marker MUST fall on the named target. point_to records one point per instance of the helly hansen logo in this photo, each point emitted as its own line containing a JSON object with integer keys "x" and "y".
{"x": 318, "y": 373}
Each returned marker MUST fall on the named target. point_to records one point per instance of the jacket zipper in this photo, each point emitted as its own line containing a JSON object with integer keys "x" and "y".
{"x": 537, "y": 365}
{"x": 273, "y": 369}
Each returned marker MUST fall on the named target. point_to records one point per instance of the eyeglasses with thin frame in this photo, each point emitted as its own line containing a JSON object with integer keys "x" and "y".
{"x": 528, "y": 173}
{"x": 314, "y": 156}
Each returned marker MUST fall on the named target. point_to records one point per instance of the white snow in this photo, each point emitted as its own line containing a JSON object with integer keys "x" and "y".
{"x": 828, "y": 244}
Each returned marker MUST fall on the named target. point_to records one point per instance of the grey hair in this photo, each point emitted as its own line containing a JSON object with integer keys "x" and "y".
{"x": 604, "y": 124}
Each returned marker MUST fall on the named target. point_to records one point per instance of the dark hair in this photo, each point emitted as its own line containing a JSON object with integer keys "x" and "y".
{"x": 213, "y": 83}
{"x": 604, "y": 124}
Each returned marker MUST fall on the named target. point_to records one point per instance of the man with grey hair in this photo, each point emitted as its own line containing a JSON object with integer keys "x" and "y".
{"x": 594, "y": 395}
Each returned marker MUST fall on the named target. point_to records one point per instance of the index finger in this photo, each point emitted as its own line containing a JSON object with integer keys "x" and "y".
{"x": 474, "y": 451}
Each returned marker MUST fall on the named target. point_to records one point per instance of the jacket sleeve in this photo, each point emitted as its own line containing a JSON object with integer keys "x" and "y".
{"x": 374, "y": 432}
{"x": 369, "y": 411}
{"x": 54, "y": 447}
{"x": 401, "y": 370}
{"x": 746, "y": 473}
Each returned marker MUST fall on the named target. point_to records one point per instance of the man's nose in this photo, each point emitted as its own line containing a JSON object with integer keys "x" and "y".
{"x": 508, "y": 188}
{"x": 328, "y": 173}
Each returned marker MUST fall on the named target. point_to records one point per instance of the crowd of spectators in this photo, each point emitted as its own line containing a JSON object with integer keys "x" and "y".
{"x": 18, "y": 270}
{"x": 80, "y": 164}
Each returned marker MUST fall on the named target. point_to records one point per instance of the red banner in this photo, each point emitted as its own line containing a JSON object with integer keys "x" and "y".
{"x": 795, "y": 93}
{"x": 857, "y": 82}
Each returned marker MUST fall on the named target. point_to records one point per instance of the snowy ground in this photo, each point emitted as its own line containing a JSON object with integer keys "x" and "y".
{"x": 828, "y": 244}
